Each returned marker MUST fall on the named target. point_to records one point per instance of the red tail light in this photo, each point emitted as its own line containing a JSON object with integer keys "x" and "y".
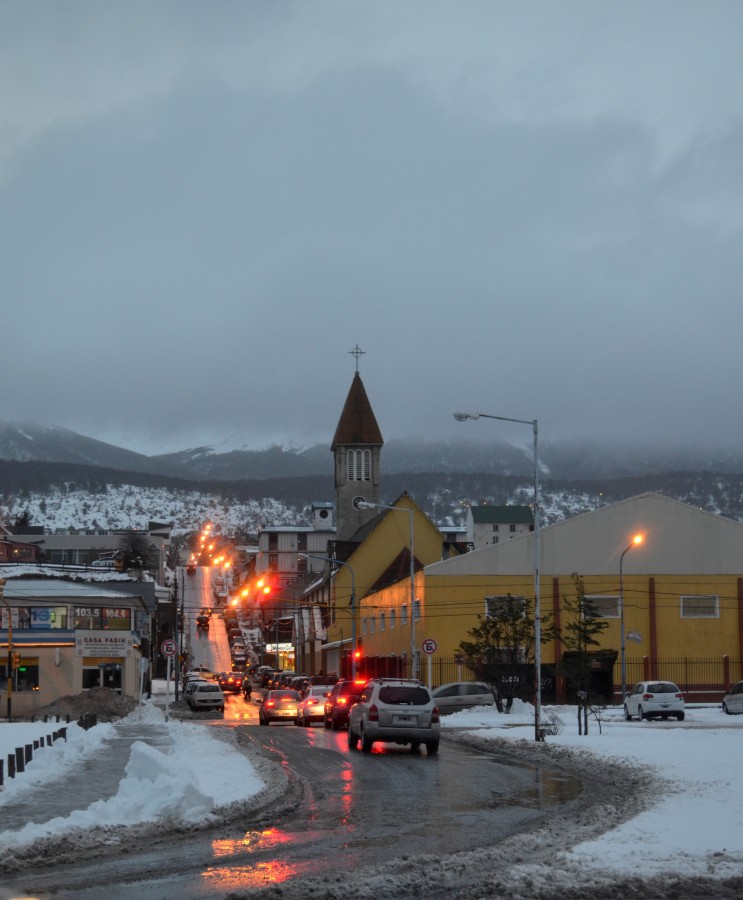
{"x": 648, "y": 696}
{"x": 373, "y": 713}
{"x": 271, "y": 703}
{"x": 435, "y": 715}
{"x": 342, "y": 701}
{"x": 679, "y": 696}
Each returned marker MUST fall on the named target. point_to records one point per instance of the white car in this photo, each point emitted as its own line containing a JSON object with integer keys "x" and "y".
{"x": 312, "y": 707}
{"x": 732, "y": 702}
{"x": 206, "y": 695}
{"x": 461, "y": 695}
{"x": 654, "y": 699}
{"x": 394, "y": 710}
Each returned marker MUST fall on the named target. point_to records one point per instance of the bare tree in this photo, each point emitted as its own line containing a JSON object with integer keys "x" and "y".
{"x": 579, "y": 637}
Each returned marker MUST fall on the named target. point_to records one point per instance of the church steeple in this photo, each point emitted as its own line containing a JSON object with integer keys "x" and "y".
{"x": 357, "y": 446}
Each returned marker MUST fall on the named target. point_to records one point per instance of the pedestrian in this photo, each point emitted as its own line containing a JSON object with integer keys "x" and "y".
{"x": 247, "y": 688}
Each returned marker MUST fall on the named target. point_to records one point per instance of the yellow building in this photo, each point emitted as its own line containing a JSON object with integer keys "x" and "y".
{"x": 679, "y": 604}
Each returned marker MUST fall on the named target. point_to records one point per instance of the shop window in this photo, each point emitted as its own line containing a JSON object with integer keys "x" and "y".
{"x": 25, "y": 677}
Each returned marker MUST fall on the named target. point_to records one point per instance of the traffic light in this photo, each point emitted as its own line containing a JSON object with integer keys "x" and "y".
{"x": 264, "y": 588}
{"x": 16, "y": 660}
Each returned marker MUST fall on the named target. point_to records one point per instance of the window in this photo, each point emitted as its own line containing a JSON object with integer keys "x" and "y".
{"x": 495, "y": 527}
{"x": 358, "y": 465}
{"x": 512, "y": 528}
{"x": 606, "y": 607}
{"x": 700, "y": 606}
{"x": 416, "y": 609}
{"x": 96, "y": 618}
{"x": 381, "y": 621}
{"x": 372, "y": 625}
{"x": 500, "y": 605}
{"x": 393, "y": 616}
{"x": 404, "y": 614}
{"x": 363, "y": 626}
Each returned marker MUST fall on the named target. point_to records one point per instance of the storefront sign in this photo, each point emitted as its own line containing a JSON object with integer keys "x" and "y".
{"x": 104, "y": 643}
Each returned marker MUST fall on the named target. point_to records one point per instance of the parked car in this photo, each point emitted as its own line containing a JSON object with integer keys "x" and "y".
{"x": 732, "y": 702}
{"x": 202, "y": 671}
{"x": 342, "y": 696}
{"x": 285, "y": 679}
{"x": 206, "y": 695}
{"x": 190, "y": 569}
{"x": 394, "y": 710}
{"x": 231, "y": 681}
{"x": 461, "y": 695}
{"x": 653, "y": 699}
{"x": 312, "y": 707}
{"x": 190, "y": 685}
{"x": 279, "y": 706}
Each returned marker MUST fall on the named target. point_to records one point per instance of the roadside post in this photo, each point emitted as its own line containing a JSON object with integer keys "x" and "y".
{"x": 429, "y": 647}
{"x": 168, "y": 648}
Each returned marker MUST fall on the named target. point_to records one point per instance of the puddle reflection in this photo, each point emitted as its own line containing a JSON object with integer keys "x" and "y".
{"x": 233, "y": 877}
{"x": 251, "y": 841}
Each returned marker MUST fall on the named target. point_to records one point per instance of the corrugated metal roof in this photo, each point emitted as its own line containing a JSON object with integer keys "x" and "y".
{"x": 502, "y": 515}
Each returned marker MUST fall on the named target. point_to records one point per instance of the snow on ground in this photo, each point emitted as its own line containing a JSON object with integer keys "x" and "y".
{"x": 181, "y": 784}
{"x": 690, "y": 823}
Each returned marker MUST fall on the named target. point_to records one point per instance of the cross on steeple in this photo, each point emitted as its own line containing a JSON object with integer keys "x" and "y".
{"x": 357, "y": 352}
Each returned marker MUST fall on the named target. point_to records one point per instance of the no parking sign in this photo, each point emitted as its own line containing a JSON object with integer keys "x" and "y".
{"x": 429, "y": 646}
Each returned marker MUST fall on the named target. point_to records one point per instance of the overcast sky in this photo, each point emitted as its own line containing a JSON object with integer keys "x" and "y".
{"x": 533, "y": 210}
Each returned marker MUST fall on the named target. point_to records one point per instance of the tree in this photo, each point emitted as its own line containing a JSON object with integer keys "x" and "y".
{"x": 579, "y": 636}
{"x": 502, "y": 647}
{"x": 136, "y": 550}
{"x": 22, "y": 520}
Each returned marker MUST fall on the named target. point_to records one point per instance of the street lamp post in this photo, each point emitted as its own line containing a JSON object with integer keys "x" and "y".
{"x": 352, "y": 603}
{"x": 463, "y": 417}
{"x": 636, "y": 541}
{"x": 363, "y": 504}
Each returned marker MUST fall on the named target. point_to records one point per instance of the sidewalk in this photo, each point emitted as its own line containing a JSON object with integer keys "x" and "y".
{"x": 95, "y": 778}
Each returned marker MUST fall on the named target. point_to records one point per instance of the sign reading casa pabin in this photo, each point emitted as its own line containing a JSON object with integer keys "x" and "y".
{"x": 104, "y": 643}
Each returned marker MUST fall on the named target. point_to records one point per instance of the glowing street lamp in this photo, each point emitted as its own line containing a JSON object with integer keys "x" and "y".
{"x": 636, "y": 541}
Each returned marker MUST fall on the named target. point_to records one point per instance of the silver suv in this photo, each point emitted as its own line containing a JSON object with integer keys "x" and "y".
{"x": 396, "y": 710}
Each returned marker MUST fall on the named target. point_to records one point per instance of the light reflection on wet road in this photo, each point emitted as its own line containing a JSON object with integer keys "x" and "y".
{"x": 361, "y": 808}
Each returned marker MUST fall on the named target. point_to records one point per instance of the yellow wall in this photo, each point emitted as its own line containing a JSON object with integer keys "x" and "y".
{"x": 450, "y": 605}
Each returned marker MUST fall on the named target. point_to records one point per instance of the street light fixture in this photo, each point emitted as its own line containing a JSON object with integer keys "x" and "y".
{"x": 463, "y": 417}
{"x": 352, "y": 603}
{"x": 636, "y": 541}
{"x": 364, "y": 504}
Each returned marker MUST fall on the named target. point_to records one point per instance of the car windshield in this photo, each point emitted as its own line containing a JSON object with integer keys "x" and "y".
{"x": 663, "y": 687}
{"x": 284, "y": 695}
{"x": 398, "y": 695}
{"x": 206, "y": 688}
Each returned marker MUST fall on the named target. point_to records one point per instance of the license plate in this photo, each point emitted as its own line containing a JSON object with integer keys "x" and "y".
{"x": 404, "y": 720}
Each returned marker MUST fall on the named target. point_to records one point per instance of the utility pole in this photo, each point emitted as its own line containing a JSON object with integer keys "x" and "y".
{"x": 10, "y": 650}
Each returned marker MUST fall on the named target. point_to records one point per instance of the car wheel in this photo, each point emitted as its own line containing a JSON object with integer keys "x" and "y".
{"x": 366, "y": 743}
{"x": 432, "y": 747}
{"x": 415, "y": 748}
{"x": 353, "y": 740}
{"x": 627, "y": 716}
{"x": 327, "y": 722}
{"x": 640, "y": 713}
{"x": 335, "y": 724}
{"x": 680, "y": 717}
{"x": 263, "y": 722}
{"x": 726, "y": 710}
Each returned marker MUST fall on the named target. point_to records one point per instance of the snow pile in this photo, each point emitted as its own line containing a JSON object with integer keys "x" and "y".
{"x": 182, "y": 785}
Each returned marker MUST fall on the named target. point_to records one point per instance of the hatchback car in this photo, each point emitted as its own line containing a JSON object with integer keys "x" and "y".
{"x": 341, "y": 698}
{"x": 732, "y": 702}
{"x": 312, "y": 708}
{"x": 279, "y": 706}
{"x": 654, "y": 699}
{"x": 461, "y": 695}
{"x": 206, "y": 695}
{"x": 395, "y": 710}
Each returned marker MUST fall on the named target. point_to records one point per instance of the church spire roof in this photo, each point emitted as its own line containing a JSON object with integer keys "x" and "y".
{"x": 357, "y": 424}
